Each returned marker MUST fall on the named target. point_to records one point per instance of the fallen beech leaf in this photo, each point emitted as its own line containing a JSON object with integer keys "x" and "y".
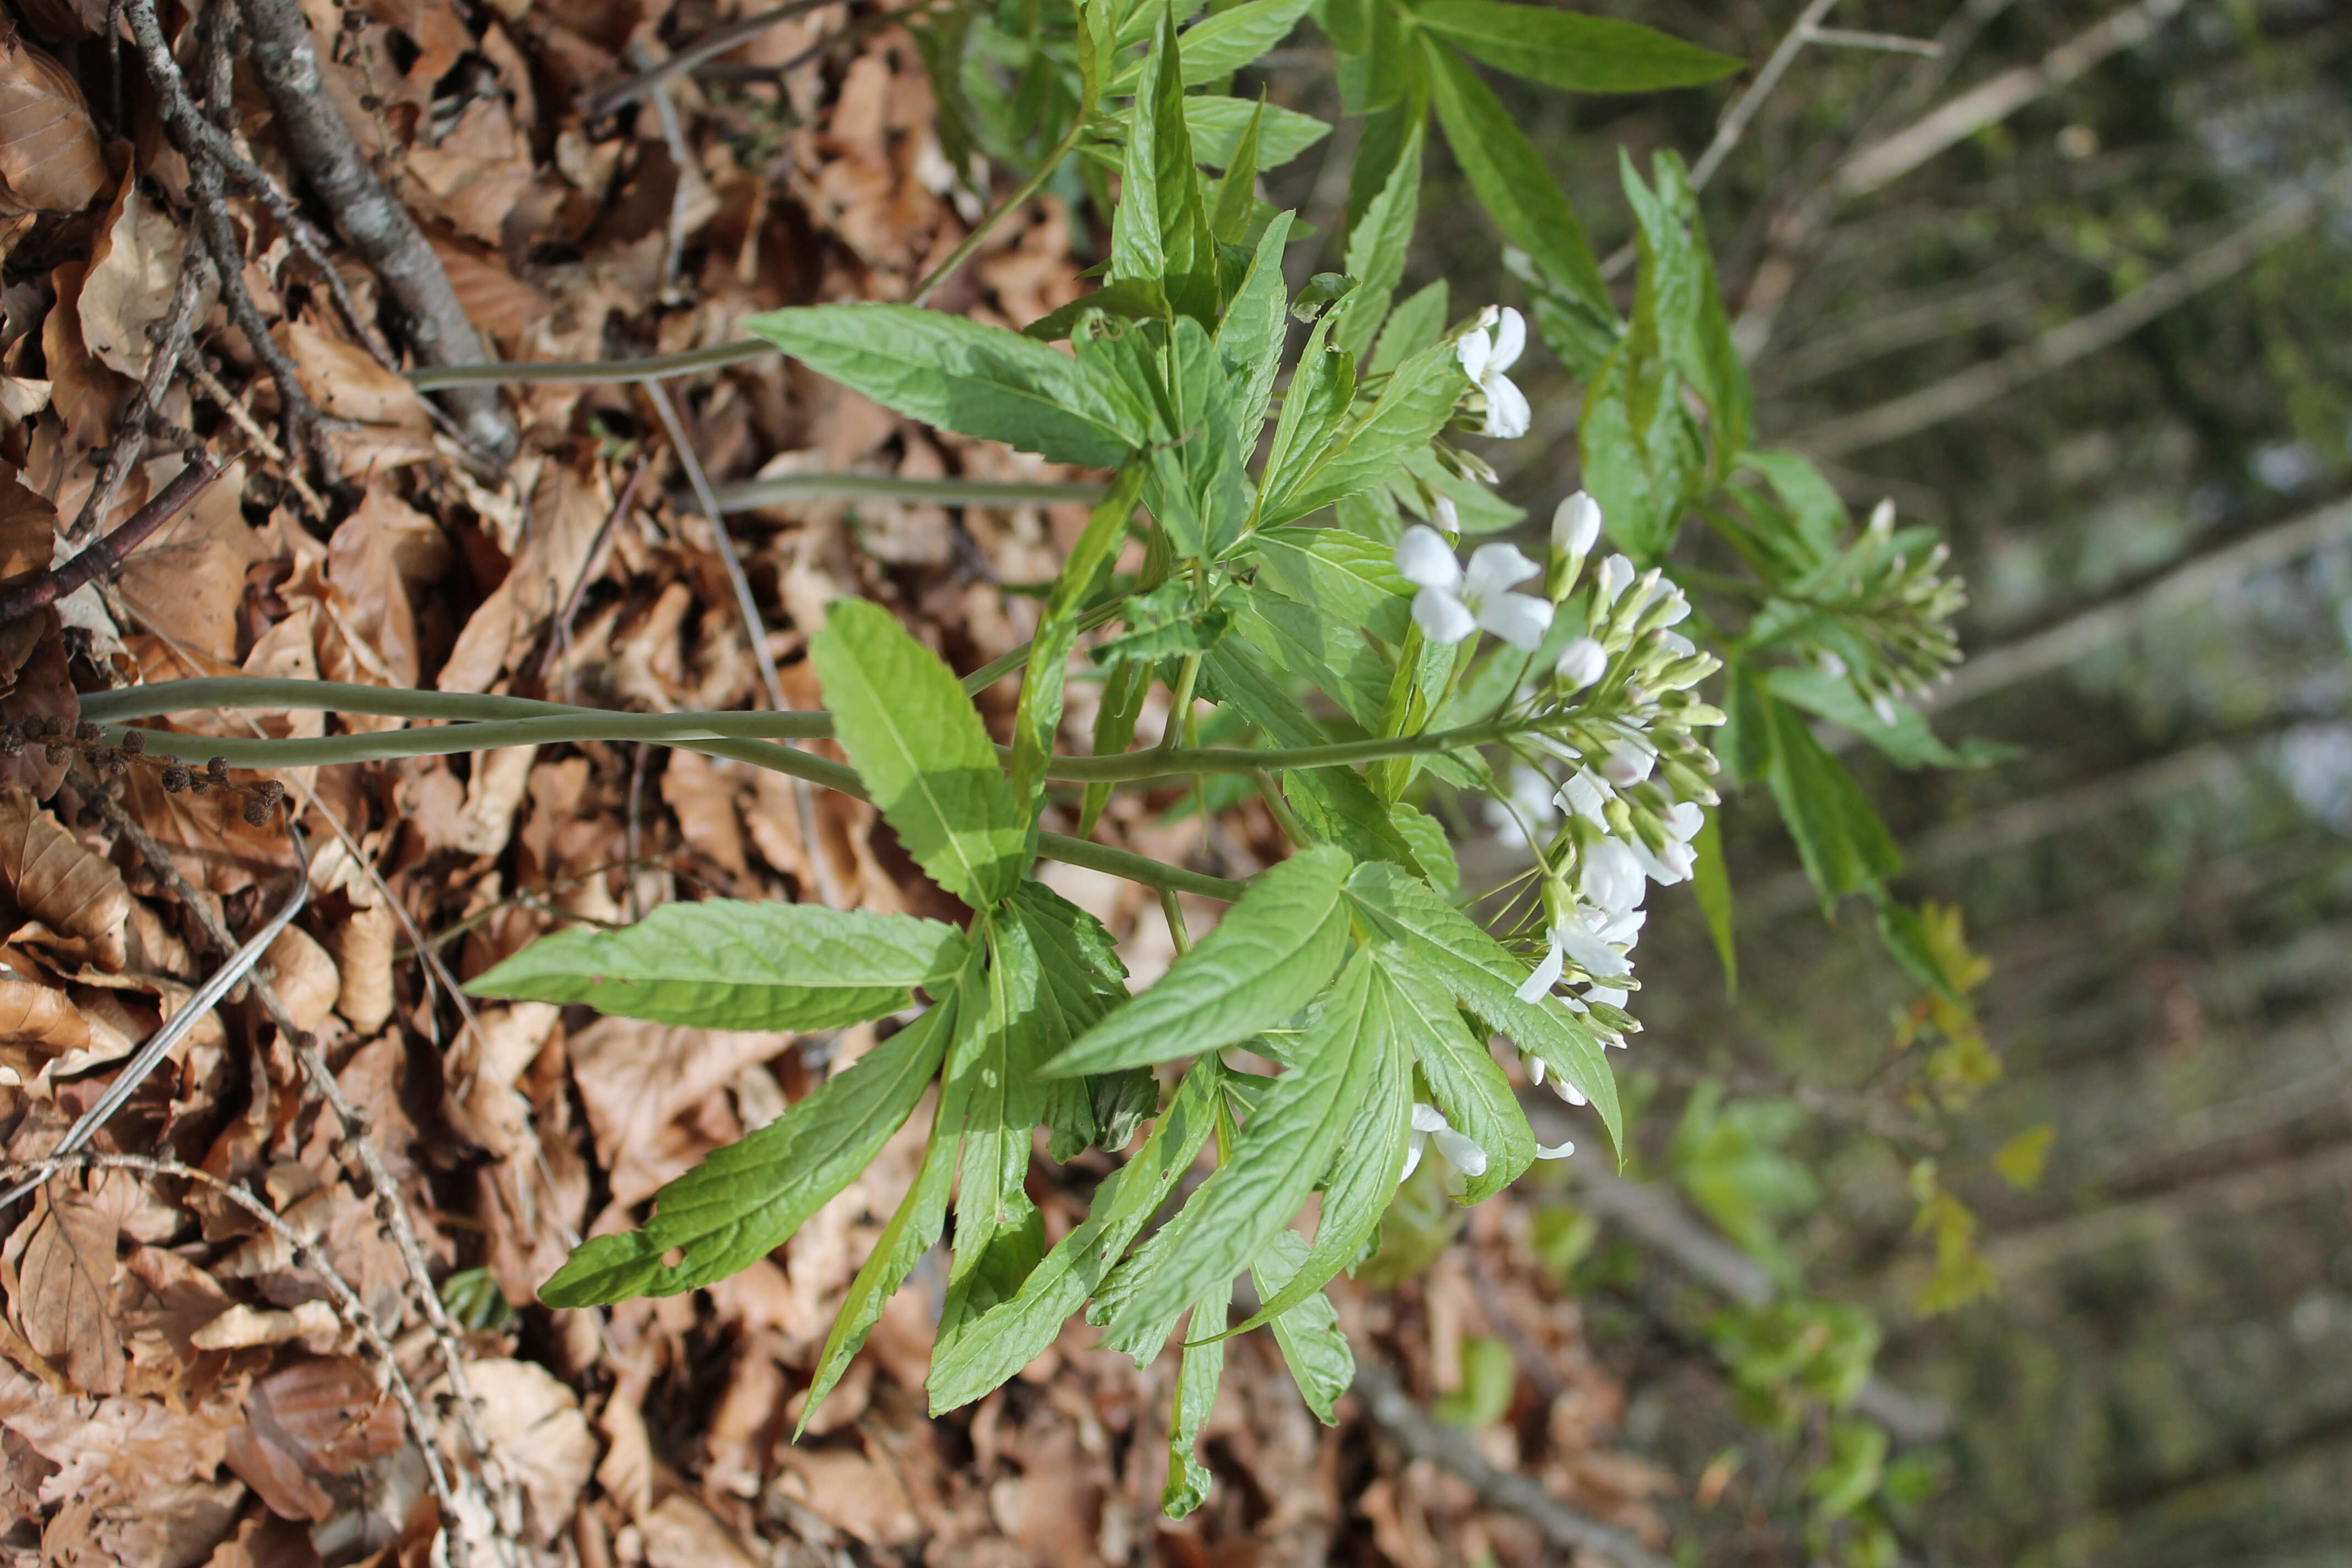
{"x": 679, "y": 1532}
{"x": 850, "y": 1492}
{"x": 636, "y": 1077}
{"x": 28, "y": 529}
{"x": 85, "y": 394}
{"x": 44, "y": 687}
{"x": 38, "y": 1024}
{"x": 534, "y": 1421}
{"x": 310, "y": 1421}
{"x": 362, "y": 945}
{"x": 112, "y": 1447}
{"x": 133, "y": 268}
{"x": 175, "y": 1526}
{"x": 305, "y": 976}
{"x": 346, "y": 383}
{"x": 52, "y": 878}
{"x": 50, "y": 160}
{"x": 65, "y": 1287}
{"x": 241, "y": 1326}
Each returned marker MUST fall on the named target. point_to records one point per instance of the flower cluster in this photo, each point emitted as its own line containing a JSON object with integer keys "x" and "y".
{"x": 1876, "y": 615}
{"x": 1468, "y": 1160}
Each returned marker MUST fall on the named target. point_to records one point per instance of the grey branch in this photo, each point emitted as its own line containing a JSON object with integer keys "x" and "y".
{"x": 1411, "y": 1428}
{"x": 370, "y": 215}
{"x": 1973, "y": 388}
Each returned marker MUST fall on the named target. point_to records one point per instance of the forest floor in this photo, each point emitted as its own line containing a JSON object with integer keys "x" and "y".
{"x": 192, "y": 1359}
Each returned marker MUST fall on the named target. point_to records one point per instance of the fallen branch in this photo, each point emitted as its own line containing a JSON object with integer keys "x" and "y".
{"x": 368, "y": 215}
{"x": 1411, "y": 1428}
{"x": 108, "y": 555}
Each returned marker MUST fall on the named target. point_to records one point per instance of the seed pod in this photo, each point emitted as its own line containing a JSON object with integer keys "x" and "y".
{"x": 88, "y": 733}
{"x": 218, "y": 768}
{"x": 176, "y": 779}
{"x": 272, "y": 791}
{"x": 257, "y": 812}
{"x": 134, "y": 742}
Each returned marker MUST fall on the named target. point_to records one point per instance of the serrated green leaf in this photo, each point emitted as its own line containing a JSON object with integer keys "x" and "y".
{"x": 1128, "y": 299}
{"x": 1004, "y": 1095}
{"x": 1371, "y": 449}
{"x": 744, "y": 1201}
{"x": 1166, "y": 624}
{"x": 1038, "y": 718}
{"x": 1287, "y": 1146}
{"x": 1318, "y": 648}
{"x": 1711, "y": 880}
{"x": 1009, "y": 1337}
{"x": 961, "y": 375}
{"x": 1566, "y": 49}
{"x": 1377, "y": 244}
{"x": 1322, "y": 385}
{"x": 1352, "y": 577}
{"x": 1196, "y": 486}
{"x": 918, "y": 744}
{"x": 1511, "y": 177}
{"x": 1250, "y": 338}
{"x": 1198, "y": 1372}
{"x": 1484, "y": 976}
{"x": 1237, "y": 197}
{"x": 1309, "y": 1334}
{"x": 1160, "y": 226}
{"x": 1845, "y": 846}
{"x": 1464, "y": 1080}
{"x": 1084, "y": 979}
{"x": 1262, "y": 962}
{"x": 1431, "y": 847}
{"x": 1413, "y": 326}
{"x": 1219, "y": 126}
{"x": 725, "y": 964}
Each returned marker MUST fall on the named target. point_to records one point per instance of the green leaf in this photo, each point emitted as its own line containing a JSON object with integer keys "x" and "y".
{"x": 1431, "y": 847}
{"x": 1038, "y": 719}
{"x": 723, "y": 965}
{"x": 1412, "y": 408}
{"x": 1580, "y": 331}
{"x": 1385, "y": 73}
{"x": 1166, "y": 623}
{"x": 1285, "y": 1148}
{"x": 1711, "y": 880}
{"x": 918, "y": 744}
{"x": 961, "y": 375}
{"x": 1128, "y": 299}
{"x": 1122, "y": 704}
{"x": 1198, "y": 1372}
{"x": 1309, "y": 1334}
{"x": 1084, "y": 979}
{"x": 1319, "y": 647}
{"x": 744, "y": 1201}
{"x": 1504, "y": 167}
{"x": 1236, "y": 198}
{"x": 1845, "y": 846}
{"x": 1219, "y": 126}
{"x": 1910, "y": 742}
{"x": 1370, "y": 1161}
{"x": 1465, "y": 1082}
{"x": 913, "y": 1231}
{"x": 1222, "y": 43}
{"x": 1566, "y": 49}
{"x": 2023, "y": 1158}
{"x": 1813, "y": 503}
{"x": 995, "y": 1076}
{"x": 1270, "y": 954}
{"x": 1640, "y": 452}
{"x": 1010, "y": 1337}
{"x": 1197, "y": 489}
{"x": 1680, "y": 296}
{"x": 1322, "y": 385}
{"x": 1490, "y": 1376}
{"x": 1484, "y": 976}
{"x": 1415, "y": 325}
{"x": 1160, "y": 226}
{"x": 1377, "y": 246}
{"x": 1250, "y": 338}
{"x": 1352, "y": 577}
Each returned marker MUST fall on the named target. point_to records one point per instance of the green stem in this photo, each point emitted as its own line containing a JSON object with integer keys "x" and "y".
{"x": 752, "y": 494}
{"x": 1137, "y": 867}
{"x": 1284, "y": 819}
{"x": 971, "y": 242}
{"x": 590, "y": 371}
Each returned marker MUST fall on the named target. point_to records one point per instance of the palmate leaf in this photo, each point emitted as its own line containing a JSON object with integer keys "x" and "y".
{"x": 1564, "y": 49}
{"x": 725, "y": 964}
{"x": 961, "y": 375}
{"x": 1269, "y": 955}
{"x": 745, "y": 1200}
{"x": 918, "y": 744}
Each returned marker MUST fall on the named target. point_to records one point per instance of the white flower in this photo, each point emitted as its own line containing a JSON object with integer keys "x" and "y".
{"x": 1531, "y": 791}
{"x": 1485, "y": 357}
{"x": 1615, "y": 574}
{"x": 1453, "y": 602}
{"x": 1589, "y": 938}
{"x": 1429, "y": 1124}
{"x": 1581, "y": 663}
{"x": 1568, "y": 1091}
{"x": 1610, "y": 878}
{"x": 1554, "y": 1151}
{"x": 1629, "y": 761}
{"x": 1576, "y": 525}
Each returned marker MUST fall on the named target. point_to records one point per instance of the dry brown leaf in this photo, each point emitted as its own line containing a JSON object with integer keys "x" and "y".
{"x": 28, "y": 531}
{"x": 679, "y": 1532}
{"x": 44, "y": 687}
{"x": 534, "y": 1422}
{"x": 85, "y": 394}
{"x": 305, "y": 977}
{"x": 567, "y": 511}
{"x": 700, "y": 793}
{"x": 133, "y": 268}
{"x": 66, "y": 1274}
{"x": 361, "y": 943}
{"x": 636, "y": 1077}
{"x": 175, "y": 1526}
{"x": 241, "y": 1327}
{"x": 852, "y": 1494}
{"x": 495, "y": 299}
{"x": 113, "y": 1448}
{"x": 52, "y": 878}
{"x": 50, "y": 160}
{"x": 378, "y": 556}
{"x": 310, "y": 1421}
{"x": 38, "y": 1024}
{"x": 345, "y": 381}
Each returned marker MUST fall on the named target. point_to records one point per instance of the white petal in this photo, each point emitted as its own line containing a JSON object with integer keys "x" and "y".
{"x": 1684, "y": 818}
{"x": 1446, "y": 514}
{"x": 1883, "y": 707}
{"x": 1621, "y": 931}
{"x": 1538, "y": 985}
{"x": 1444, "y": 619}
{"x": 1678, "y": 608}
{"x": 1667, "y": 866}
{"x": 1426, "y": 560}
{"x": 1520, "y": 619}
{"x": 1510, "y": 339}
{"x": 1592, "y": 955}
{"x": 1607, "y": 995}
{"x": 1581, "y": 663}
{"x": 1586, "y": 795}
{"x": 1554, "y": 1151}
{"x": 1426, "y": 1119}
{"x": 1495, "y": 567}
{"x": 1460, "y": 1153}
{"x": 1614, "y": 573}
{"x": 1475, "y": 350}
{"x": 1676, "y": 644}
{"x": 1535, "y": 1066}
{"x": 1412, "y": 1156}
{"x": 1576, "y": 525}
{"x": 1628, "y": 764}
{"x": 1568, "y": 1091}
{"x": 1507, "y": 413}
{"x": 1611, "y": 876}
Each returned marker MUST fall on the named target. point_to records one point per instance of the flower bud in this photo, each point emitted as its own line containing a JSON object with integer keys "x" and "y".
{"x": 1581, "y": 663}
{"x": 1445, "y": 515}
{"x": 1615, "y": 574}
{"x": 1576, "y": 525}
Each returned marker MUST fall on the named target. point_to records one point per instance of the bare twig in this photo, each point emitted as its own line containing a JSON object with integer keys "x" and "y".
{"x": 1973, "y": 388}
{"x": 370, "y": 217}
{"x": 304, "y": 1255}
{"x": 1891, "y": 43}
{"x": 606, "y": 101}
{"x": 1411, "y": 1428}
{"x": 131, "y": 434}
{"x": 263, "y": 442}
{"x": 996, "y": 215}
{"x": 588, "y": 563}
{"x": 107, "y": 554}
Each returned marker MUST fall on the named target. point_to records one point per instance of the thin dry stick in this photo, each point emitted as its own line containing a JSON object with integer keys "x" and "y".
{"x": 588, "y": 565}
{"x": 305, "y": 1255}
{"x": 709, "y": 46}
{"x": 804, "y": 798}
{"x": 1891, "y": 43}
{"x": 1411, "y": 1428}
{"x": 131, "y": 434}
{"x": 356, "y": 1124}
{"x": 107, "y": 554}
{"x": 1980, "y": 384}
{"x": 233, "y": 405}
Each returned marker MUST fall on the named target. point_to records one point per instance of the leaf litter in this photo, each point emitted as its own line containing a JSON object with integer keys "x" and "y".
{"x": 180, "y": 1384}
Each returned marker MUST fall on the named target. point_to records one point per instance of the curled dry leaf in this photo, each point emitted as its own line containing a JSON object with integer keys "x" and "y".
{"x": 534, "y": 1421}
{"x": 304, "y": 975}
{"x": 39, "y": 1023}
{"x": 309, "y": 1421}
{"x": 362, "y": 945}
{"x": 50, "y": 160}
{"x": 44, "y": 688}
{"x": 51, "y": 878}
{"x": 132, "y": 271}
